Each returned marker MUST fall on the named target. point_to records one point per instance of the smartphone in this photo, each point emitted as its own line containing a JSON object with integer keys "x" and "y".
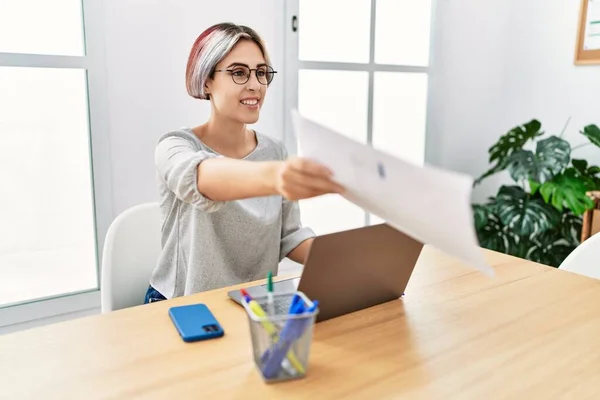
{"x": 195, "y": 322}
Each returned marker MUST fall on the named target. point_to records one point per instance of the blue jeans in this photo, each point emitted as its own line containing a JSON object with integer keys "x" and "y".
{"x": 153, "y": 295}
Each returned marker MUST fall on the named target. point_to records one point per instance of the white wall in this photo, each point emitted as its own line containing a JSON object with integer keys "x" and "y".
{"x": 147, "y": 45}
{"x": 497, "y": 64}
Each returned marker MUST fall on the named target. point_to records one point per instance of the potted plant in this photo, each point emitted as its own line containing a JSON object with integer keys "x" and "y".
{"x": 539, "y": 217}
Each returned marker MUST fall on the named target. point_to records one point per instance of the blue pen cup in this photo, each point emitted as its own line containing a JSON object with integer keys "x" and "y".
{"x": 281, "y": 341}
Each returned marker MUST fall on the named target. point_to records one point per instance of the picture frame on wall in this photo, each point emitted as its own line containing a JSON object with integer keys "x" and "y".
{"x": 588, "y": 36}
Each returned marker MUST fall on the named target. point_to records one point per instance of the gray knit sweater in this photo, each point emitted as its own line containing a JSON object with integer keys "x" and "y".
{"x": 206, "y": 244}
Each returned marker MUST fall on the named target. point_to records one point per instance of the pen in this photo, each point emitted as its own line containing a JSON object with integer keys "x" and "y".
{"x": 295, "y": 300}
{"x": 270, "y": 294}
{"x": 313, "y": 307}
{"x": 260, "y": 313}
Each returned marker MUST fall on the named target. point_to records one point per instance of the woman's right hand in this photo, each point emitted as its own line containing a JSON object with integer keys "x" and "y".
{"x": 300, "y": 178}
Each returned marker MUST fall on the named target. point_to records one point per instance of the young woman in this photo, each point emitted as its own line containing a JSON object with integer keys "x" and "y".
{"x": 227, "y": 193}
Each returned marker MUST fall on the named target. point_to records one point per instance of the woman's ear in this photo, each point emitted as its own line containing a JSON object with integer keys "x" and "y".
{"x": 207, "y": 87}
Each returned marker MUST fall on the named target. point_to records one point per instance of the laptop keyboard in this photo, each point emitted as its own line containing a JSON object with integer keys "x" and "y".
{"x": 282, "y": 306}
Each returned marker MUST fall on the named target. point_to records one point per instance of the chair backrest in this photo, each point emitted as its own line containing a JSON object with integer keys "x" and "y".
{"x": 131, "y": 250}
{"x": 585, "y": 259}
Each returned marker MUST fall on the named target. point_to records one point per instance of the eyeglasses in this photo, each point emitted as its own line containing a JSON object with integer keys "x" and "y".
{"x": 241, "y": 74}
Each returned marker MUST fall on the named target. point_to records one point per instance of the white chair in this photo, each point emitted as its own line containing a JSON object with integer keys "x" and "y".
{"x": 131, "y": 250}
{"x": 585, "y": 259}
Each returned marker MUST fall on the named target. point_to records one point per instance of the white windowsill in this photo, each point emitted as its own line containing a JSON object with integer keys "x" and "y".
{"x": 75, "y": 303}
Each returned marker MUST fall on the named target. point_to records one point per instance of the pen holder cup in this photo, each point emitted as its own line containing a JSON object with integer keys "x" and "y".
{"x": 280, "y": 340}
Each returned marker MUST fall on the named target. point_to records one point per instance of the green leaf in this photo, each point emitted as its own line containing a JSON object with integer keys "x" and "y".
{"x": 481, "y": 214}
{"x": 515, "y": 139}
{"x": 587, "y": 174}
{"x": 557, "y": 200}
{"x": 520, "y": 249}
{"x": 546, "y": 191}
{"x": 571, "y": 191}
{"x": 593, "y": 134}
{"x": 593, "y": 170}
{"x": 580, "y": 165}
{"x": 522, "y": 165}
{"x": 534, "y": 186}
{"x": 578, "y": 204}
{"x": 570, "y": 228}
{"x": 510, "y": 143}
{"x": 552, "y": 156}
{"x": 590, "y": 183}
{"x": 521, "y": 213}
{"x": 495, "y": 236}
{"x": 550, "y": 248}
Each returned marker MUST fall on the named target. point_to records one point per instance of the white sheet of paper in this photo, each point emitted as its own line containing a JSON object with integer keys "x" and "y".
{"x": 429, "y": 204}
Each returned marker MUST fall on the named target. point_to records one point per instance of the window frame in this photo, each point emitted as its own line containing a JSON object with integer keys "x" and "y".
{"x": 93, "y": 62}
{"x": 293, "y": 65}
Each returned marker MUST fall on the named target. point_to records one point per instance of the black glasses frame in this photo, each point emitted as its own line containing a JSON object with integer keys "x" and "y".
{"x": 270, "y": 70}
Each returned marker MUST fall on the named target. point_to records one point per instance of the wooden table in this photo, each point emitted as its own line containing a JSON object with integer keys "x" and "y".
{"x": 533, "y": 332}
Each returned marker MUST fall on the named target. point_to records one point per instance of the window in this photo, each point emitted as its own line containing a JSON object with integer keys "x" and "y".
{"x": 51, "y": 124}
{"x": 359, "y": 68}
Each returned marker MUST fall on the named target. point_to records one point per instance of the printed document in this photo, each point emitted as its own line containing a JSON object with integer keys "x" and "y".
{"x": 429, "y": 204}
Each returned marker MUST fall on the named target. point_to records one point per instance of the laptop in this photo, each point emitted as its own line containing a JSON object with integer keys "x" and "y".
{"x": 351, "y": 270}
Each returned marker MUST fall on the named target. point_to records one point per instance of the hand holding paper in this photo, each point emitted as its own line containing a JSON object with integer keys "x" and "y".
{"x": 301, "y": 179}
{"x": 408, "y": 197}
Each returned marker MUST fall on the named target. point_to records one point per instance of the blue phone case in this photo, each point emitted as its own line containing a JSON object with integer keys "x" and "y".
{"x": 195, "y": 322}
